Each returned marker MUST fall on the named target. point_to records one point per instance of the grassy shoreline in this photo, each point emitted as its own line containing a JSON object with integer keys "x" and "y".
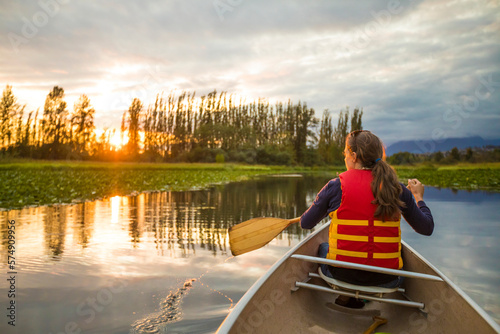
{"x": 461, "y": 176}
{"x": 57, "y": 182}
{"x": 32, "y": 183}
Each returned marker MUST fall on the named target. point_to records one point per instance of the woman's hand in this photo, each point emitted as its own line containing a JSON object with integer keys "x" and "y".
{"x": 416, "y": 188}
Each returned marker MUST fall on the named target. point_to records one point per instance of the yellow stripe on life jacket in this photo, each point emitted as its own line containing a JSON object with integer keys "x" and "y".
{"x": 386, "y": 255}
{"x": 388, "y": 223}
{"x": 387, "y": 239}
{"x": 349, "y": 237}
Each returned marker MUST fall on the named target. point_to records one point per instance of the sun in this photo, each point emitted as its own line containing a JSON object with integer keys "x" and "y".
{"x": 113, "y": 138}
{"x": 117, "y": 140}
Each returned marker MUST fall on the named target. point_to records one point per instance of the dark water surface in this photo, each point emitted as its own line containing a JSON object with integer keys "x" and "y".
{"x": 160, "y": 262}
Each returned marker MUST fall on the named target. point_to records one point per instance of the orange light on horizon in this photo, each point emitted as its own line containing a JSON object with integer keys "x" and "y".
{"x": 116, "y": 140}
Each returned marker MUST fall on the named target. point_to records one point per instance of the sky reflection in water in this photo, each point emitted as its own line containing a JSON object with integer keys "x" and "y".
{"x": 160, "y": 262}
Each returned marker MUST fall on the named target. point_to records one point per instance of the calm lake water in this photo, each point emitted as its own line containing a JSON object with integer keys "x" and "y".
{"x": 160, "y": 262}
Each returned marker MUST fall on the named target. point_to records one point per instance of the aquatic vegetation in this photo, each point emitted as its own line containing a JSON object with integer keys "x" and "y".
{"x": 469, "y": 177}
{"x": 24, "y": 184}
{"x": 40, "y": 183}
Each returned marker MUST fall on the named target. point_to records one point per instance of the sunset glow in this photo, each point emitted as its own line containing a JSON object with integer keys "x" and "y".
{"x": 416, "y": 59}
{"x": 118, "y": 140}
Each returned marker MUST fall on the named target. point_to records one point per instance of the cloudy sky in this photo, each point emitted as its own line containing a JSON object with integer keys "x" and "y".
{"x": 419, "y": 69}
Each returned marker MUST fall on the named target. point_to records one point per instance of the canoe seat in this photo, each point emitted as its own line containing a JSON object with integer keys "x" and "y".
{"x": 341, "y": 285}
{"x": 359, "y": 291}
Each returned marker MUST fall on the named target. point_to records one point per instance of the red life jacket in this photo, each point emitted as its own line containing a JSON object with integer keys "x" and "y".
{"x": 355, "y": 235}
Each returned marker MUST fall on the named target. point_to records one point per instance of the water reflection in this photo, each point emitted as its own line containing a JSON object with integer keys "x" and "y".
{"x": 151, "y": 244}
{"x": 170, "y": 220}
{"x": 464, "y": 245}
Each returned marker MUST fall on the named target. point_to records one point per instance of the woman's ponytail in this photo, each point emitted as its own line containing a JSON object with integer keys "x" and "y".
{"x": 386, "y": 189}
{"x": 385, "y": 185}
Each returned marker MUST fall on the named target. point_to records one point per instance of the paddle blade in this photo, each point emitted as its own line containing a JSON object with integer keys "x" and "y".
{"x": 254, "y": 233}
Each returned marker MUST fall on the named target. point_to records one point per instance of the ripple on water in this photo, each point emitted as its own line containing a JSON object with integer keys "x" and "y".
{"x": 170, "y": 311}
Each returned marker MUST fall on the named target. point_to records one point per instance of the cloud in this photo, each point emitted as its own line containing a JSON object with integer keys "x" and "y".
{"x": 404, "y": 62}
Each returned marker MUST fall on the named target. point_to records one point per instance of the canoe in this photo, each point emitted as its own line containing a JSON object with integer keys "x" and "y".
{"x": 274, "y": 304}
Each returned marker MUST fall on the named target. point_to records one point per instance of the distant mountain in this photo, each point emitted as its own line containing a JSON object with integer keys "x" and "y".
{"x": 430, "y": 146}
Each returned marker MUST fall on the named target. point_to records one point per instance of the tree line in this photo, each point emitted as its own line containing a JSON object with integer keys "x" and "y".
{"x": 453, "y": 156}
{"x": 217, "y": 126}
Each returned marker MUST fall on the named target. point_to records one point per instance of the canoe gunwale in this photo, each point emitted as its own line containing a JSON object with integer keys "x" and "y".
{"x": 233, "y": 317}
{"x": 455, "y": 287}
{"x": 236, "y": 311}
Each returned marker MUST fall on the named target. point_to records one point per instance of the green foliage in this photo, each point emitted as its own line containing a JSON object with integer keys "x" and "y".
{"x": 452, "y": 157}
{"x": 341, "y": 131}
{"x": 458, "y": 177}
{"x": 39, "y": 183}
{"x": 23, "y": 184}
{"x": 269, "y": 155}
{"x": 82, "y": 126}
{"x": 325, "y": 143}
{"x": 173, "y": 127}
{"x": 438, "y": 156}
{"x": 469, "y": 155}
{"x": 332, "y": 140}
{"x": 454, "y": 154}
{"x": 356, "y": 122}
{"x": 200, "y": 154}
{"x": 220, "y": 158}
{"x": 55, "y": 132}
{"x": 182, "y": 129}
{"x": 247, "y": 156}
{"x": 402, "y": 158}
{"x": 9, "y": 111}
{"x": 133, "y": 121}
{"x": 312, "y": 158}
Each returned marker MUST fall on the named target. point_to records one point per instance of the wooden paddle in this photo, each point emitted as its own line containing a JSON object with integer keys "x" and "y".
{"x": 255, "y": 233}
{"x": 377, "y": 321}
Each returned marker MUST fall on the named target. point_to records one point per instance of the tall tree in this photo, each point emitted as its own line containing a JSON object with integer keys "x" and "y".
{"x": 469, "y": 154}
{"x": 54, "y": 121}
{"x": 9, "y": 109}
{"x": 82, "y": 123}
{"x": 325, "y": 143}
{"x": 304, "y": 118}
{"x": 177, "y": 124}
{"x": 134, "y": 115}
{"x": 123, "y": 127}
{"x": 454, "y": 154}
{"x": 19, "y": 127}
{"x": 356, "y": 119}
{"x": 340, "y": 134}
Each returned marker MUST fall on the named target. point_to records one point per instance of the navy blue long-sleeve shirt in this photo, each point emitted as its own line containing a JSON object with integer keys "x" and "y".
{"x": 418, "y": 215}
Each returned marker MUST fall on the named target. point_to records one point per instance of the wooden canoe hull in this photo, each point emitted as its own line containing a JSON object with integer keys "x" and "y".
{"x": 271, "y": 305}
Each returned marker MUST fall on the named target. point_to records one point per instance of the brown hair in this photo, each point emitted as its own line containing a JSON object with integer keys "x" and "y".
{"x": 385, "y": 185}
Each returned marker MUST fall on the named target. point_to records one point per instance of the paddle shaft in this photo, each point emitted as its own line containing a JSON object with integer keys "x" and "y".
{"x": 377, "y": 321}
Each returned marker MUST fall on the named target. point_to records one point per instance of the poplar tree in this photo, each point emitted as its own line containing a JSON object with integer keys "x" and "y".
{"x": 325, "y": 142}
{"x": 82, "y": 125}
{"x": 54, "y": 122}
{"x": 134, "y": 115}
{"x": 9, "y": 108}
{"x": 356, "y": 119}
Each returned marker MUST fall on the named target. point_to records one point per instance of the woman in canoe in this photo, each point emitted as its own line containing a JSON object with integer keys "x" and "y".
{"x": 365, "y": 204}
